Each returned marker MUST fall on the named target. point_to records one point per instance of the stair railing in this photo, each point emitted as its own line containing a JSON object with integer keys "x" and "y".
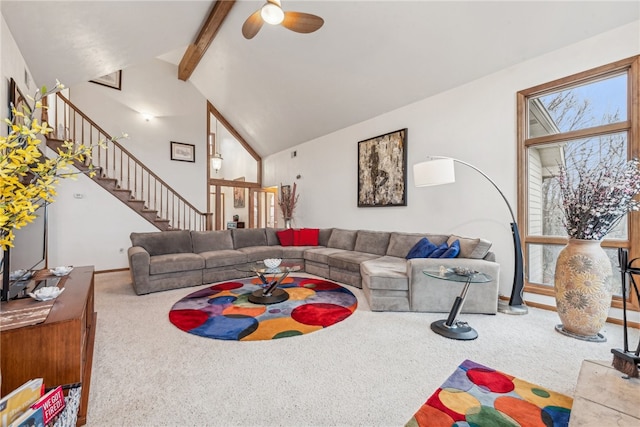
{"x": 115, "y": 162}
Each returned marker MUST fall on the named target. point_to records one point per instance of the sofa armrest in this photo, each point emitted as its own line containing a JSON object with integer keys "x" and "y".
{"x": 139, "y": 263}
{"x": 430, "y": 294}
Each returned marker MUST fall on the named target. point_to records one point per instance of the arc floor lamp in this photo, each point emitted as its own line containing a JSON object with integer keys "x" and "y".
{"x": 437, "y": 170}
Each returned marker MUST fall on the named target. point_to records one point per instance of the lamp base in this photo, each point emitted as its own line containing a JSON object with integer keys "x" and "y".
{"x": 504, "y": 307}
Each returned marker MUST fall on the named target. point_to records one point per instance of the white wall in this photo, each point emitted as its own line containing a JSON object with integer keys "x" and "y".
{"x": 179, "y": 114}
{"x": 95, "y": 229}
{"x": 475, "y": 123}
{"x": 12, "y": 65}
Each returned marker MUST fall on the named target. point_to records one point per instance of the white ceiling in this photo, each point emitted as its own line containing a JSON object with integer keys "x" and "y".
{"x": 283, "y": 88}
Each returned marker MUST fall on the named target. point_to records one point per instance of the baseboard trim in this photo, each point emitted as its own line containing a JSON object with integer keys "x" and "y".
{"x": 613, "y": 320}
{"x": 113, "y": 270}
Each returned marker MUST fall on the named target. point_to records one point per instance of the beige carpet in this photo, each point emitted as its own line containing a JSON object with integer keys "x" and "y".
{"x": 372, "y": 369}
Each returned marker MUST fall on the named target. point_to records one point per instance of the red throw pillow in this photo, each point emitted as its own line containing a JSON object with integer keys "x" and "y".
{"x": 285, "y": 237}
{"x": 309, "y": 237}
{"x": 296, "y": 237}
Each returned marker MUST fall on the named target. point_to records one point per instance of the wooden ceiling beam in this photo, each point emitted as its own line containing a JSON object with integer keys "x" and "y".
{"x": 197, "y": 49}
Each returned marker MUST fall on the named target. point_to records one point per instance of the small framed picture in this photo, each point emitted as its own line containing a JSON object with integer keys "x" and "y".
{"x": 113, "y": 80}
{"x": 183, "y": 152}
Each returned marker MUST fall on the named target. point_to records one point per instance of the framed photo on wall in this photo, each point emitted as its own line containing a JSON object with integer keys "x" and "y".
{"x": 16, "y": 98}
{"x": 183, "y": 152}
{"x": 112, "y": 80}
{"x": 382, "y": 170}
{"x": 238, "y": 194}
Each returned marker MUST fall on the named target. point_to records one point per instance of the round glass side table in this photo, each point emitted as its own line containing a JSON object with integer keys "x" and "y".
{"x": 451, "y": 327}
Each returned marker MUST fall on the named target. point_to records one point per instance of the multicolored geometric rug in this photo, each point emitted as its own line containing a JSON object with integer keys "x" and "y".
{"x": 223, "y": 312}
{"x": 475, "y": 395}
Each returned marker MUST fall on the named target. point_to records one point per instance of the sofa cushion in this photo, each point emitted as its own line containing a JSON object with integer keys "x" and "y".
{"x": 401, "y": 243}
{"x": 324, "y": 235}
{"x": 471, "y": 248}
{"x": 452, "y": 251}
{"x": 386, "y": 272}
{"x": 349, "y": 260}
{"x": 272, "y": 237}
{"x": 246, "y": 237}
{"x": 342, "y": 239}
{"x": 372, "y": 242}
{"x": 223, "y": 258}
{"x": 163, "y": 242}
{"x": 258, "y": 253}
{"x": 422, "y": 249}
{"x": 175, "y": 262}
{"x": 294, "y": 252}
{"x": 205, "y": 241}
{"x": 321, "y": 255}
{"x": 285, "y": 237}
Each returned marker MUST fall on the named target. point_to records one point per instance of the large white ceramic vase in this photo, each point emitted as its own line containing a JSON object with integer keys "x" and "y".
{"x": 583, "y": 289}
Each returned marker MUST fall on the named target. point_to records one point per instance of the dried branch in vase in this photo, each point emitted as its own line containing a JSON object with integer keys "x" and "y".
{"x": 288, "y": 200}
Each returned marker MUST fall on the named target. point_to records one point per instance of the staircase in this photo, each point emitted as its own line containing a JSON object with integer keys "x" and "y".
{"x": 121, "y": 173}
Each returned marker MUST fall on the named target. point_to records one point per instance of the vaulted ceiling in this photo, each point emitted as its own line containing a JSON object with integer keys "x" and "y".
{"x": 282, "y": 88}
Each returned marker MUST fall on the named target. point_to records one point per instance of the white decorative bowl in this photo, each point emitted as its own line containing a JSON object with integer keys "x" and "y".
{"x": 272, "y": 262}
{"x": 20, "y": 275}
{"x": 47, "y": 293}
{"x": 60, "y": 271}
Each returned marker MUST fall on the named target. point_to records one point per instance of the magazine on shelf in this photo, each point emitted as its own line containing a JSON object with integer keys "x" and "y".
{"x": 52, "y": 403}
{"x": 20, "y": 399}
{"x": 29, "y": 418}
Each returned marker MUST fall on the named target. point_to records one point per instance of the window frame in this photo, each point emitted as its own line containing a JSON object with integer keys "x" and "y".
{"x": 632, "y": 126}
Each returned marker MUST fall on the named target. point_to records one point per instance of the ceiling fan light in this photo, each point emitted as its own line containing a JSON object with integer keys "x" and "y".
{"x": 272, "y": 14}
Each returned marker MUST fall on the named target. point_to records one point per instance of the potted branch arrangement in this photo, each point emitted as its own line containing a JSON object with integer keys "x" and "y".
{"x": 597, "y": 192}
{"x": 288, "y": 202}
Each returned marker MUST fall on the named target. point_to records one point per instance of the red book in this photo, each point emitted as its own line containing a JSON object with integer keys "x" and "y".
{"x": 52, "y": 403}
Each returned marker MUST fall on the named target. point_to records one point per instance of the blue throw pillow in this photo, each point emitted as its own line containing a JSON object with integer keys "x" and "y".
{"x": 422, "y": 249}
{"x": 452, "y": 251}
{"x": 439, "y": 251}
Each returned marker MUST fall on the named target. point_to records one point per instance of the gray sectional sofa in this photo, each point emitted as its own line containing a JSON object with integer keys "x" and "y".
{"x": 374, "y": 261}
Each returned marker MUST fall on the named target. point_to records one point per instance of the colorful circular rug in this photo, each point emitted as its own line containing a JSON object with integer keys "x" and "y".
{"x": 223, "y": 311}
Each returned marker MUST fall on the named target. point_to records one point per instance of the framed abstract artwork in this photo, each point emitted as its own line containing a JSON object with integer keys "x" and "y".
{"x": 382, "y": 170}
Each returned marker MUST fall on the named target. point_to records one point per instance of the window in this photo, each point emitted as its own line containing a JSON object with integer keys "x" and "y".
{"x": 573, "y": 121}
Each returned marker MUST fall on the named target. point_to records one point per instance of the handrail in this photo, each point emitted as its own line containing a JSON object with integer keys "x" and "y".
{"x": 116, "y": 162}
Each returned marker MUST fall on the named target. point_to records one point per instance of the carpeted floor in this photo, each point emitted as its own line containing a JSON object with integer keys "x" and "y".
{"x": 371, "y": 369}
{"x": 223, "y": 311}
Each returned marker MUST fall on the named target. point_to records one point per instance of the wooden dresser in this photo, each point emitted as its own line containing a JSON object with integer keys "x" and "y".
{"x": 60, "y": 349}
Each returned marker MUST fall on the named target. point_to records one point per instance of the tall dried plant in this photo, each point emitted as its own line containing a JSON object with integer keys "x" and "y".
{"x": 288, "y": 200}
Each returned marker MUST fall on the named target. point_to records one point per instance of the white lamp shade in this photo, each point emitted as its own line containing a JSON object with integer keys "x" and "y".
{"x": 272, "y": 14}
{"x": 434, "y": 172}
{"x": 216, "y": 162}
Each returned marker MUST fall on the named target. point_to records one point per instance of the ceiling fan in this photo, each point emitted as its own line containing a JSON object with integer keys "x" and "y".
{"x": 271, "y": 13}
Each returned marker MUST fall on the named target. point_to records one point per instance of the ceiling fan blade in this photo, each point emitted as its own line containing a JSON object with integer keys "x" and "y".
{"x": 252, "y": 25}
{"x": 302, "y": 22}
